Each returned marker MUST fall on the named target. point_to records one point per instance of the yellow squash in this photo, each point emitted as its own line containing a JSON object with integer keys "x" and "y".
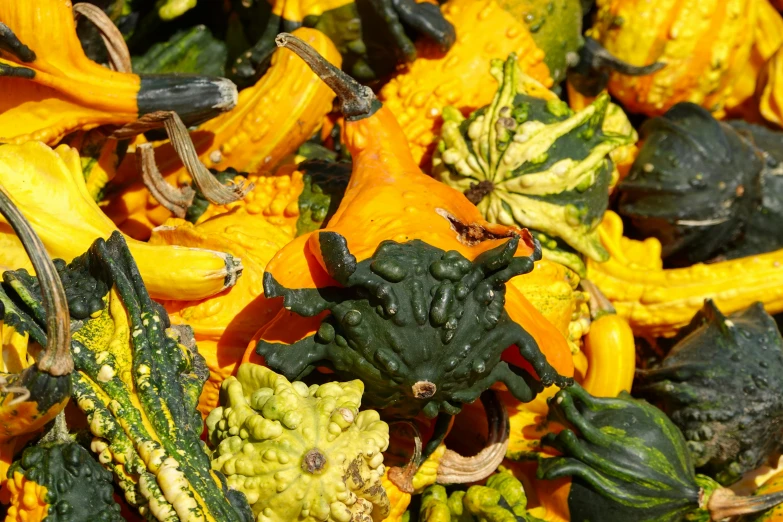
{"x": 270, "y": 121}
{"x": 657, "y": 301}
{"x": 460, "y": 77}
{"x": 704, "y": 43}
{"x": 48, "y": 186}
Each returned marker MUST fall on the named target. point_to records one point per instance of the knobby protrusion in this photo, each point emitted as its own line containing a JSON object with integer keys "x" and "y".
{"x": 55, "y": 358}
{"x": 356, "y": 101}
{"x": 119, "y": 56}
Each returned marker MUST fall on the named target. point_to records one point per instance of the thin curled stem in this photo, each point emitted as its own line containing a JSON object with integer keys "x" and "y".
{"x": 119, "y": 56}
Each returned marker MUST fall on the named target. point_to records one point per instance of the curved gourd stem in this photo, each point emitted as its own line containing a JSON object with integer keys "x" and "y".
{"x": 356, "y": 101}
{"x": 599, "y": 304}
{"x": 456, "y": 469}
{"x": 175, "y": 200}
{"x": 56, "y": 356}
{"x": 723, "y": 503}
{"x": 403, "y": 477}
{"x": 119, "y": 56}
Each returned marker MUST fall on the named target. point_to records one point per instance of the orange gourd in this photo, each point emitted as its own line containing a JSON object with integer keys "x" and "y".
{"x": 390, "y": 198}
{"x": 49, "y": 87}
{"x": 272, "y": 118}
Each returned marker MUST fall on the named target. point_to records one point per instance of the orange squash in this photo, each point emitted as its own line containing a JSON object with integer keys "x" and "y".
{"x": 459, "y": 77}
{"x": 51, "y": 88}
{"x": 284, "y": 108}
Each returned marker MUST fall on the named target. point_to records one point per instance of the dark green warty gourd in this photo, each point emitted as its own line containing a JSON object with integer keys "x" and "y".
{"x": 423, "y": 329}
{"x": 722, "y": 385}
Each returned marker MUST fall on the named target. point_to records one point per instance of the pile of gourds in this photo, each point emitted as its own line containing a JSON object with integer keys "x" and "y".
{"x": 391, "y": 260}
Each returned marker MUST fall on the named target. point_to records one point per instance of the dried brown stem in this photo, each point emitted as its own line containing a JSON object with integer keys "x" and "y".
{"x": 147, "y": 122}
{"x": 55, "y": 358}
{"x": 723, "y": 503}
{"x": 175, "y": 200}
{"x": 403, "y": 477}
{"x": 456, "y": 469}
{"x": 599, "y": 303}
{"x": 119, "y": 56}
{"x": 214, "y": 191}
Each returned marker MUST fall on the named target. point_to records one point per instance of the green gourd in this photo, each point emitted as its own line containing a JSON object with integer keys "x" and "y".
{"x": 324, "y": 186}
{"x": 533, "y": 163}
{"x": 722, "y": 385}
{"x": 193, "y": 51}
{"x": 627, "y": 461}
{"x": 423, "y": 329}
{"x": 300, "y": 452}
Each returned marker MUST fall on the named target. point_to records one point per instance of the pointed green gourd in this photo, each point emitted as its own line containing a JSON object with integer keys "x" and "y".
{"x": 533, "y": 163}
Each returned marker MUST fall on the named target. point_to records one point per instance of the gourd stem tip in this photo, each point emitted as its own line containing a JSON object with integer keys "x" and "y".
{"x": 356, "y": 101}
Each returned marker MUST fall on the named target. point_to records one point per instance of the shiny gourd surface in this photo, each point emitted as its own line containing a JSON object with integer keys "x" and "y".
{"x": 49, "y": 188}
{"x": 70, "y": 92}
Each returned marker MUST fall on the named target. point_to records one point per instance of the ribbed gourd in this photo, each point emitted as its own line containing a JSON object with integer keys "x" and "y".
{"x": 459, "y": 77}
{"x": 49, "y": 188}
{"x": 530, "y": 161}
{"x": 289, "y": 102}
{"x": 57, "y": 480}
{"x": 704, "y": 44}
{"x": 627, "y": 461}
{"x": 51, "y": 88}
{"x": 138, "y": 380}
{"x": 720, "y": 384}
{"x": 399, "y": 260}
{"x": 300, "y": 452}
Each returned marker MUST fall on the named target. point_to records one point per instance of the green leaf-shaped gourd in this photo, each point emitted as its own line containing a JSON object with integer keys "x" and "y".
{"x": 423, "y": 329}
{"x": 138, "y": 383}
{"x": 627, "y": 461}
{"x": 533, "y": 163}
{"x": 298, "y": 452}
{"x": 722, "y": 385}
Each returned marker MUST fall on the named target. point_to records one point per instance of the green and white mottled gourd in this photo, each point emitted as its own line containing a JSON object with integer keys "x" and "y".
{"x": 722, "y": 385}
{"x": 298, "y": 452}
{"x": 501, "y": 499}
{"x": 138, "y": 383}
{"x": 627, "y": 461}
{"x": 533, "y": 163}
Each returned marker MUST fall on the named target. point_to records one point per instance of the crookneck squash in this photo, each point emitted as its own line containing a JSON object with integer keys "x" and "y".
{"x": 31, "y": 395}
{"x": 48, "y": 187}
{"x": 372, "y": 37}
{"x": 325, "y": 455}
{"x": 271, "y": 119}
{"x": 721, "y": 385}
{"x": 658, "y": 301}
{"x": 705, "y": 45}
{"x": 224, "y": 324}
{"x": 51, "y": 88}
{"x": 433, "y": 273}
{"x": 533, "y": 163}
{"x": 459, "y": 77}
{"x": 627, "y": 461}
{"x": 58, "y": 480}
{"x": 138, "y": 380}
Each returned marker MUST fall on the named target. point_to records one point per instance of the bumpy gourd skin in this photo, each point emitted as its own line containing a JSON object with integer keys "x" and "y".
{"x": 69, "y": 484}
{"x": 424, "y": 329}
{"x": 298, "y": 452}
{"x": 528, "y": 160}
{"x": 722, "y": 385}
{"x": 139, "y": 384}
{"x": 627, "y": 460}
